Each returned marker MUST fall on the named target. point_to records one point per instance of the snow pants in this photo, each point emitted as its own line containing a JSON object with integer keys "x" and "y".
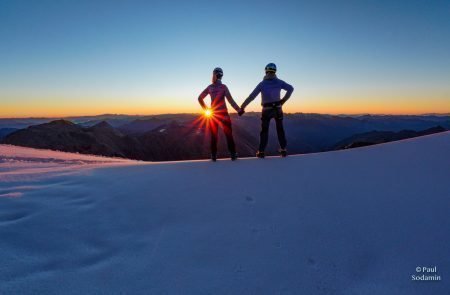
{"x": 268, "y": 113}
{"x": 222, "y": 119}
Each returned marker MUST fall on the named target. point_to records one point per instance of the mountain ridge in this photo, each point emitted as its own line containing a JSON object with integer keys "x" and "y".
{"x": 173, "y": 137}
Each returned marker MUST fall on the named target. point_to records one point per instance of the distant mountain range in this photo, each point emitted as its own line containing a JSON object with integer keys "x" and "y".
{"x": 171, "y": 141}
{"x": 182, "y": 136}
{"x": 377, "y": 137}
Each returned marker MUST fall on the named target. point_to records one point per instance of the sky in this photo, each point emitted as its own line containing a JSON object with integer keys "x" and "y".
{"x": 67, "y": 58}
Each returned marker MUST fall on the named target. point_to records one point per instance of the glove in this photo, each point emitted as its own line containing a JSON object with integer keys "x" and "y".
{"x": 241, "y": 112}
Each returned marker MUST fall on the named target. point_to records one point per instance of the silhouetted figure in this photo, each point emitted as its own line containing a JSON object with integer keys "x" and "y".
{"x": 218, "y": 113}
{"x": 270, "y": 89}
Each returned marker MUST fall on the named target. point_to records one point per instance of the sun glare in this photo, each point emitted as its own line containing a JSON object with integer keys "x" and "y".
{"x": 208, "y": 113}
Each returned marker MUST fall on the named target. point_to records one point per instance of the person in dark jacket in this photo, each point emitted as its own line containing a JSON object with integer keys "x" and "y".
{"x": 217, "y": 114}
{"x": 270, "y": 89}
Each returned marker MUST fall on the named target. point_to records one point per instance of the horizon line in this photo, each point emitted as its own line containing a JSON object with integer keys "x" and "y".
{"x": 187, "y": 113}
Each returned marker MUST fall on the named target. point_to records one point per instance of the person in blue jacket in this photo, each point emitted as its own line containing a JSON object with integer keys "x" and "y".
{"x": 271, "y": 101}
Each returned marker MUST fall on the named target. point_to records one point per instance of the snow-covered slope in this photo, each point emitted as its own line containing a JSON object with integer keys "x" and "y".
{"x": 349, "y": 222}
{"x": 20, "y": 163}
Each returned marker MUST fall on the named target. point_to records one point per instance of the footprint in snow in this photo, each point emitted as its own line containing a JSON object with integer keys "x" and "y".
{"x": 239, "y": 269}
{"x": 312, "y": 263}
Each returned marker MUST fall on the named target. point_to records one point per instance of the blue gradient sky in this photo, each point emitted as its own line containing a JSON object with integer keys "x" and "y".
{"x": 62, "y": 58}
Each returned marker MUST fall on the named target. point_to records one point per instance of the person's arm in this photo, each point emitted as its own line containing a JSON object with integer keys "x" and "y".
{"x": 231, "y": 100}
{"x": 289, "y": 89}
{"x": 252, "y": 96}
{"x": 201, "y": 98}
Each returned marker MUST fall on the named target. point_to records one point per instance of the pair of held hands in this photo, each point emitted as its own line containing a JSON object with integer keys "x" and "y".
{"x": 241, "y": 111}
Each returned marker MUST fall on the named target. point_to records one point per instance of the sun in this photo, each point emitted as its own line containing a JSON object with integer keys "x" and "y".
{"x": 208, "y": 113}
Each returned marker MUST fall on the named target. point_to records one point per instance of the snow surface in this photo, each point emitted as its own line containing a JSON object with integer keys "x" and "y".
{"x": 20, "y": 163}
{"x": 349, "y": 222}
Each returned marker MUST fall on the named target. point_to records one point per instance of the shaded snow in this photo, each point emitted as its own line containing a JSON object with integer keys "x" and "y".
{"x": 18, "y": 163}
{"x": 348, "y": 222}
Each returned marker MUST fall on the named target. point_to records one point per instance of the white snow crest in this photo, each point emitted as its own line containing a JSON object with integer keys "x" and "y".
{"x": 20, "y": 163}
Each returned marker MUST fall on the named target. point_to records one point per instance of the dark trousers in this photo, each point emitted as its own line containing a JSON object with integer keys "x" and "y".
{"x": 225, "y": 122}
{"x": 267, "y": 114}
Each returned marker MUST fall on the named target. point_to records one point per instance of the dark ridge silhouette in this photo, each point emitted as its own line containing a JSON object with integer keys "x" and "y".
{"x": 181, "y": 137}
{"x": 377, "y": 137}
{"x": 6, "y": 131}
{"x": 173, "y": 141}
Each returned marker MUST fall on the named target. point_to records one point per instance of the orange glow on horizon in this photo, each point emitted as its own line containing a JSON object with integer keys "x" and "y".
{"x": 338, "y": 111}
{"x": 333, "y": 106}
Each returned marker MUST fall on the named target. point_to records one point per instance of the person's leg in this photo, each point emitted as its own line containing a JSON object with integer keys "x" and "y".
{"x": 228, "y": 130}
{"x": 213, "y": 129}
{"x": 280, "y": 129}
{"x": 264, "y": 134}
